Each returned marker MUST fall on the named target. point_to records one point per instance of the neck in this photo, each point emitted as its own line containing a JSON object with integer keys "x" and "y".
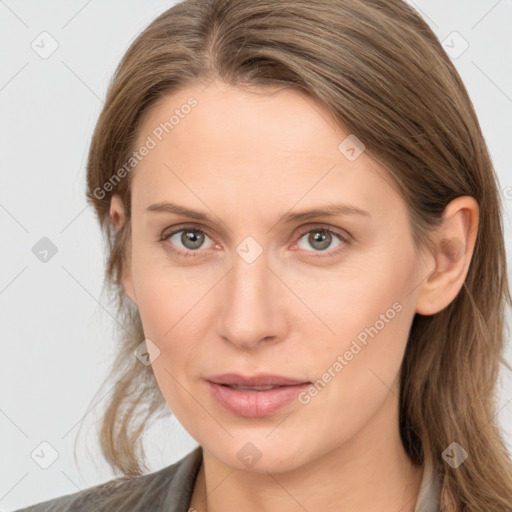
{"x": 369, "y": 472}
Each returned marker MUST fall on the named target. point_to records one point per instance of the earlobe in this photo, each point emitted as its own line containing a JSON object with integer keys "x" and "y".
{"x": 454, "y": 248}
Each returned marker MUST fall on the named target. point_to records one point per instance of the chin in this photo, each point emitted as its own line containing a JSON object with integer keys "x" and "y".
{"x": 255, "y": 454}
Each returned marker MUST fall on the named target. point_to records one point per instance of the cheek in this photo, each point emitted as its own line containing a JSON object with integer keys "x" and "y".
{"x": 370, "y": 314}
{"x": 171, "y": 303}
{"x": 168, "y": 307}
{"x": 166, "y": 294}
{"x": 360, "y": 303}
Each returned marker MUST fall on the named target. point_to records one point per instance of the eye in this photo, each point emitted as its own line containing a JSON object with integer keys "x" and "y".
{"x": 191, "y": 239}
{"x": 321, "y": 239}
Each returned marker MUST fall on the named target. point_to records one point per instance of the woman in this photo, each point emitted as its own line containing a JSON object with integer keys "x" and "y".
{"x": 304, "y": 235}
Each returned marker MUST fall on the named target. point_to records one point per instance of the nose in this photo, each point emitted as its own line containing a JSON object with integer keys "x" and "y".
{"x": 254, "y": 305}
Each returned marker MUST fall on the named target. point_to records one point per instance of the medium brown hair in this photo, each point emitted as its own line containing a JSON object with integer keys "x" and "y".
{"x": 381, "y": 71}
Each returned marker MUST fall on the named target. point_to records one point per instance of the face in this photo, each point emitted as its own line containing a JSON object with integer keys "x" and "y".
{"x": 280, "y": 336}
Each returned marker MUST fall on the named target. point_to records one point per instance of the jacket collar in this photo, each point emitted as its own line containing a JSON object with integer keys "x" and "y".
{"x": 429, "y": 493}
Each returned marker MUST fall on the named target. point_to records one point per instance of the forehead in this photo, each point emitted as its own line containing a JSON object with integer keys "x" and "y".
{"x": 232, "y": 120}
{"x": 243, "y": 143}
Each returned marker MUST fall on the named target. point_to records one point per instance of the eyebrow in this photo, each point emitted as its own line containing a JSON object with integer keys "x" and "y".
{"x": 329, "y": 210}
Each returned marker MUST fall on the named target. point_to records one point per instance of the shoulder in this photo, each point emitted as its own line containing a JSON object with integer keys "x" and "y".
{"x": 161, "y": 490}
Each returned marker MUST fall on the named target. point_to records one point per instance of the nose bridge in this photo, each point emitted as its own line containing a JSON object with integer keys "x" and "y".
{"x": 251, "y": 299}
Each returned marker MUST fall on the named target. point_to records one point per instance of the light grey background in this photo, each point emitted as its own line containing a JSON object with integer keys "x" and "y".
{"x": 56, "y": 328}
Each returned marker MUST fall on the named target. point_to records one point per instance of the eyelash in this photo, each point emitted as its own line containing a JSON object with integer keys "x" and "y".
{"x": 322, "y": 228}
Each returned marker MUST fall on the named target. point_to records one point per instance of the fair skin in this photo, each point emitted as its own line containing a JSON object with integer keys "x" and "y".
{"x": 247, "y": 158}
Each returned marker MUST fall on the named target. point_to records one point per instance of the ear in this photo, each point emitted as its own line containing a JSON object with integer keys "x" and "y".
{"x": 118, "y": 217}
{"x": 454, "y": 246}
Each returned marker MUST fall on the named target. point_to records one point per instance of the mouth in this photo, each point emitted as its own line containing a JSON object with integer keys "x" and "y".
{"x": 254, "y": 396}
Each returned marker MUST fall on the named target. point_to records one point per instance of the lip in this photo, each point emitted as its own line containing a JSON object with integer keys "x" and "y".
{"x": 262, "y": 379}
{"x": 253, "y": 403}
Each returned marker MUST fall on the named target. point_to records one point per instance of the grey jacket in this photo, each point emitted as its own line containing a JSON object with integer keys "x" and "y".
{"x": 170, "y": 490}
